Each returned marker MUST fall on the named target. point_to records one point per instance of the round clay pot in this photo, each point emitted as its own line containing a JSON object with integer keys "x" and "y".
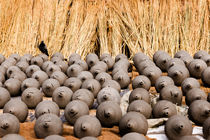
{"x": 171, "y": 93}
{"x": 139, "y": 57}
{"x": 188, "y": 84}
{"x": 92, "y": 85}
{"x": 60, "y": 76}
{"x": 205, "y": 76}
{"x": 49, "y": 86}
{"x": 26, "y": 57}
{"x": 195, "y": 94}
{"x": 174, "y": 61}
{"x": 74, "y": 70}
{"x": 4, "y": 96}
{"x": 89, "y": 138}
{"x": 178, "y": 74}
{"x": 13, "y": 86}
{"x": 59, "y": 55}
{"x": 109, "y": 61}
{"x": 2, "y": 58}
{"x": 52, "y": 68}
{"x": 73, "y": 83}
{"x": 37, "y": 60}
{"x": 83, "y": 64}
{"x": 206, "y": 58}
{"x": 73, "y": 58}
{"x": 46, "y": 64}
{"x": 108, "y": 94}
{"x": 22, "y": 65}
{"x": 15, "y": 56}
{"x": 99, "y": 67}
{"x": 163, "y": 81}
{"x": 157, "y": 54}
{"x": 109, "y": 113}
{"x": 133, "y": 122}
{"x": 43, "y": 56}
{"x": 84, "y": 95}
{"x": 199, "y": 54}
{"x": 84, "y": 75}
{"x": 48, "y": 124}
{"x": 31, "y": 69}
{"x": 40, "y": 76}
{"x": 63, "y": 66}
{"x": 141, "y": 81}
{"x": 199, "y": 111}
{"x": 54, "y": 137}
{"x": 144, "y": 64}
{"x": 196, "y": 67}
{"x": 120, "y": 57}
{"x": 74, "y": 110}
{"x": 9, "y": 124}
{"x": 104, "y": 55}
{"x": 162, "y": 60}
{"x": 17, "y": 108}
{"x": 46, "y": 107}
{"x": 21, "y": 76}
{"x": 122, "y": 78}
{"x": 103, "y": 77}
{"x": 142, "y": 107}
{"x": 206, "y": 128}
{"x": 29, "y": 83}
{"x": 91, "y": 59}
{"x": 32, "y": 97}
{"x": 139, "y": 94}
{"x": 181, "y": 54}
{"x": 62, "y": 96}
{"x": 11, "y": 70}
{"x": 87, "y": 126}
{"x": 178, "y": 126}
{"x": 112, "y": 83}
{"x": 164, "y": 109}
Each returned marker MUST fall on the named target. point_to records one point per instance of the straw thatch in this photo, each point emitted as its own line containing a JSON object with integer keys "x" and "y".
{"x": 118, "y": 26}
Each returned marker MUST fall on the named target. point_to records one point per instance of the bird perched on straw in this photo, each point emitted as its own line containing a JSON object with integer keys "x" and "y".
{"x": 43, "y": 48}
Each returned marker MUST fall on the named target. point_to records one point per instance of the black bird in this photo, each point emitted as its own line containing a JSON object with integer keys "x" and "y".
{"x": 43, "y": 48}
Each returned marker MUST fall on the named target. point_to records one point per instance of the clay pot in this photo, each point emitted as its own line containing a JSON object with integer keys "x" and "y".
{"x": 199, "y": 111}
{"x": 84, "y": 95}
{"x": 49, "y": 86}
{"x": 92, "y": 85}
{"x": 48, "y": 124}
{"x": 63, "y": 66}
{"x": 163, "y": 81}
{"x": 206, "y": 128}
{"x": 133, "y": 122}
{"x": 2, "y": 77}
{"x": 52, "y": 68}
{"x": 142, "y": 107}
{"x": 153, "y": 73}
{"x": 139, "y": 94}
{"x": 195, "y": 94}
{"x": 164, "y": 109}
{"x": 26, "y": 57}
{"x": 37, "y": 61}
{"x": 73, "y": 58}
{"x": 196, "y": 67}
{"x": 140, "y": 57}
{"x": 31, "y": 69}
{"x": 91, "y": 59}
{"x": 104, "y": 55}
{"x": 205, "y": 76}
{"x": 109, "y": 113}
{"x": 13, "y": 86}
{"x": 59, "y": 55}
{"x": 15, "y": 56}
{"x": 122, "y": 64}
{"x": 199, "y": 54}
{"x": 74, "y": 70}
{"x": 181, "y": 54}
{"x": 141, "y": 81}
{"x": 120, "y": 57}
{"x": 83, "y": 64}
{"x": 29, "y": 83}
{"x": 46, "y": 64}
{"x": 32, "y": 97}
{"x": 54, "y": 137}
{"x": 102, "y": 77}
{"x": 157, "y": 54}
{"x": 171, "y": 93}
{"x": 21, "y": 76}
{"x": 22, "y": 65}
{"x": 43, "y": 56}
{"x": 206, "y": 58}
{"x": 133, "y": 136}
{"x": 40, "y": 76}
{"x": 11, "y": 70}
{"x": 99, "y": 67}
{"x": 112, "y": 83}
{"x": 174, "y": 61}
{"x": 162, "y": 60}
{"x": 4, "y": 96}
{"x": 60, "y": 76}
{"x": 122, "y": 78}
{"x": 73, "y": 83}
{"x": 62, "y": 96}
{"x": 190, "y": 137}
{"x": 144, "y": 64}
{"x": 178, "y": 74}
{"x": 9, "y": 124}
{"x": 109, "y": 61}
{"x": 87, "y": 126}
{"x": 84, "y": 75}
{"x": 108, "y": 94}
{"x": 13, "y": 137}
{"x": 178, "y": 126}
{"x": 17, "y": 108}
{"x": 74, "y": 110}
{"x": 188, "y": 84}
{"x": 46, "y": 107}
{"x": 186, "y": 60}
